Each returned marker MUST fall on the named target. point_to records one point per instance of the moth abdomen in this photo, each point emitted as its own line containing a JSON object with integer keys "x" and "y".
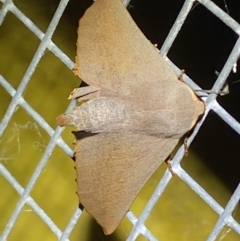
{"x": 64, "y": 120}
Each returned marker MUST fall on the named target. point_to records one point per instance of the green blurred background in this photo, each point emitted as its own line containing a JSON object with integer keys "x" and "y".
{"x": 179, "y": 214}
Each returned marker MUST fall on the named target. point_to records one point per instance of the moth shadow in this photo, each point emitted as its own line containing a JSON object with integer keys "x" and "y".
{"x": 79, "y": 135}
{"x": 95, "y": 231}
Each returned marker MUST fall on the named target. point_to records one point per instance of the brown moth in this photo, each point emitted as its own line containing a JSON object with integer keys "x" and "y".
{"x": 135, "y": 105}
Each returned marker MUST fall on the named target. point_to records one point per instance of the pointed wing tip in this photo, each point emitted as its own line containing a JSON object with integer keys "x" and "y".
{"x": 108, "y": 230}
{"x": 109, "y": 227}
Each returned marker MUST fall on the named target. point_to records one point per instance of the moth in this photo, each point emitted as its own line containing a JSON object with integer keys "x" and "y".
{"x": 134, "y": 108}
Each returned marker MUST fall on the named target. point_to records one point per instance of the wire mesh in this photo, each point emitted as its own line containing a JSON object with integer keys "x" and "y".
{"x": 225, "y": 214}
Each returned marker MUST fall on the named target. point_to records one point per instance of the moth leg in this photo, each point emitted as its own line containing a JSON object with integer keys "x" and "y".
{"x": 180, "y": 77}
{"x": 185, "y": 146}
{"x": 82, "y": 91}
{"x": 168, "y": 162}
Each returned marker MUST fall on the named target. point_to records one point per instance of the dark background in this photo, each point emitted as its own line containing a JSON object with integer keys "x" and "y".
{"x": 201, "y": 48}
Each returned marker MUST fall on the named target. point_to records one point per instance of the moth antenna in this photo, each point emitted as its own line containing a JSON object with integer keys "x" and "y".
{"x": 185, "y": 146}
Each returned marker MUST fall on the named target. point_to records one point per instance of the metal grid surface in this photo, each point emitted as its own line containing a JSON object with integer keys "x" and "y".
{"x": 225, "y": 215}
